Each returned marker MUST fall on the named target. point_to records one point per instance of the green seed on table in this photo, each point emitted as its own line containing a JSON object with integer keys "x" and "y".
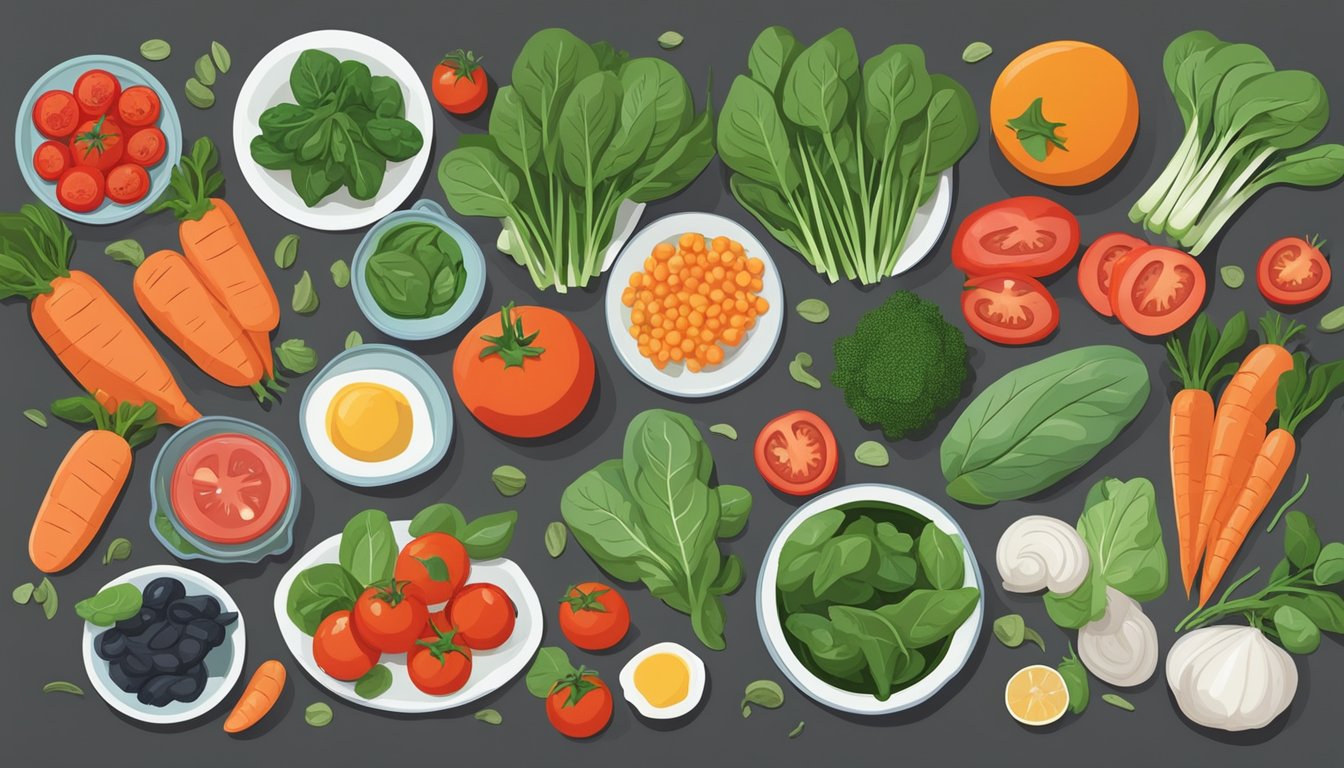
{"x": 199, "y": 94}
{"x": 353, "y": 339}
{"x": 557, "y": 535}
{"x": 119, "y": 549}
{"x": 797, "y": 730}
{"x": 975, "y": 52}
{"x": 286, "y": 251}
{"x": 340, "y": 273}
{"x": 814, "y": 310}
{"x": 725, "y": 430}
{"x": 798, "y": 370}
{"x": 669, "y": 40}
{"x": 489, "y": 716}
{"x": 23, "y": 593}
{"x": 37, "y": 417}
{"x": 317, "y": 715}
{"x": 296, "y": 356}
{"x": 155, "y": 49}
{"x": 872, "y": 453}
{"x": 762, "y": 693}
{"x": 1116, "y": 700}
{"x": 128, "y": 251}
{"x": 304, "y": 301}
{"x": 509, "y": 480}
{"x": 221, "y": 56}
{"x": 1232, "y": 275}
{"x": 1333, "y": 321}
{"x": 205, "y": 70}
{"x": 61, "y": 686}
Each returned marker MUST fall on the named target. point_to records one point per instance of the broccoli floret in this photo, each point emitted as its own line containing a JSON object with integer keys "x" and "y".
{"x": 901, "y": 366}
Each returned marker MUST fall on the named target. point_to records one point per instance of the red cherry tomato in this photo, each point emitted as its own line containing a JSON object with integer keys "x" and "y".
{"x": 579, "y": 705}
{"x": 228, "y": 488}
{"x": 97, "y": 91}
{"x": 80, "y": 189}
{"x": 1155, "y": 290}
{"x": 419, "y": 563}
{"x": 459, "y": 83}
{"x": 483, "y": 616}
{"x": 56, "y": 114}
{"x": 594, "y": 616}
{"x": 1293, "y": 271}
{"x": 1025, "y": 235}
{"x": 796, "y": 453}
{"x": 388, "y": 619}
{"x": 138, "y": 106}
{"x": 146, "y": 146}
{"x": 1009, "y": 308}
{"x": 51, "y": 159}
{"x": 1097, "y": 266}
{"x": 438, "y": 663}
{"x": 97, "y": 144}
{"x": 338, "y": 649}
{"x": 127, "y": 183}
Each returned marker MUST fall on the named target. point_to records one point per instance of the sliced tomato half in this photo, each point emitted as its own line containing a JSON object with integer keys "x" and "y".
{"x": 1293, "y": 271}
{"x": 1009, "y": 309}
{"x": 1155, "y": 290}
{"x": 1097, "y": 265}
{"x": 796, "y": 453}
{"x": 229, "y": 488}
{"x": 1025, "y": 235}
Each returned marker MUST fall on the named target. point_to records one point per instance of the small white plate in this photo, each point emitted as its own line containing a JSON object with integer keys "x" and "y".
{"x": 223, "y": 665}
{"x": 740, "y": 363}
{"x": 490, "y": 670}
{"x": 927, "y": 226}
{"x": 268, "y": 85}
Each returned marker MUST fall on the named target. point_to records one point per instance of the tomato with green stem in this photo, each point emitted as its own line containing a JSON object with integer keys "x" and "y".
{"x": 433, "y": 567}
{"x": 97, "y": 144}
{"x": 438, "y": 664}
{"x": 388, "y": 619}
{"x": 594, "y": 616}
{"x": 1293, "y": 270}
{"x": 579, "y": 704}
{"x": 483, "y": 616}
{"x": 340, "y": 651}
{"x": 459, "y": 84}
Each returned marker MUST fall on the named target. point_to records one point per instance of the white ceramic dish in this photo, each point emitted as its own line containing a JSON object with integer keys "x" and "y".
{"x": 268, "y": 85}
{"x": 927, "y": 226}
{"x": 740, "y": 363}
{"x": 772, "y": 629}
{"x": 695, "y": 690}
{"x": 489, "y": 669}
{"x": 223, "y": 665}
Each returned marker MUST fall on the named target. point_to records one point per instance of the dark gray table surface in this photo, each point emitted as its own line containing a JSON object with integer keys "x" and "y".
{"x": 966, "y": 723}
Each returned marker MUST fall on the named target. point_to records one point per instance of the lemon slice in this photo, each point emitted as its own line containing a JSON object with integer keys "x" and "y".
{"x": 1036, "y": 695}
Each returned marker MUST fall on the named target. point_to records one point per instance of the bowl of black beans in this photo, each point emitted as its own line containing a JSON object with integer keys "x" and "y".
{"x": 177, "y": 657}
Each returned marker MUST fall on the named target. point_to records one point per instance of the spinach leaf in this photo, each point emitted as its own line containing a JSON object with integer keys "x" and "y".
{"x": 840, "y": 557}
{"x": 1120, "y": 524}
{"x": 399, "y": 283}
{"x": 489, "y": 536}
{"x": 926, "y": 616}
{"x": 878, "y": 641}
{"x": 1301, "y": 544}
{"x": 1085, "y": 604}
{"x": 835, "y": 654}
{"x": 318, "y": 592}
{"x": 111, "y": 605}
{"x": 1075, "y": 680}
{"x": 441, "y": 518}
{"x": 368, "y": 547}
{"x": 941, "y": 558}
{"x": 315, "y": 75}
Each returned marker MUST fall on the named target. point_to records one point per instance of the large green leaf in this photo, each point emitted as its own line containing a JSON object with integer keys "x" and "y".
{"x": 816, "y": 88}
{"x": 587, "y": 122}
{"x": 1121, "y": 525}
{"x": 752, "y": 137}
{"x": 478, "y": 182}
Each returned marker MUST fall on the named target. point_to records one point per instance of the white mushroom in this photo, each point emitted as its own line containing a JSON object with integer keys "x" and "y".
{"x": 1231, "y": 677}
{"x": 1039, "y": 552}
{"x": 1120, "y": 647}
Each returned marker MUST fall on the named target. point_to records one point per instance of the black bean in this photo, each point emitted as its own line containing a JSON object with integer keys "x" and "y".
{"x": 111, "y": 645}
{"x": 139, "y": 622}
{"x": 137, "y": 665}
{"x": 155, "y": 691}
{"x": 194, "y": 607}
{"x": 189, "y": 686}
{"x": 162, "y": 591}
{"x": 166, "y": 662}
{"x": 227, "y": 618}
{"x": 166, "y": 637}
{"x": 207, "y": 630}
{"x": 191, "y": 651}
{"x": 125, "y": 681}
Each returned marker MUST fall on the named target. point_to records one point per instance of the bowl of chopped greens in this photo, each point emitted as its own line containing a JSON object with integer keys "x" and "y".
{"x": 417, "y": 274}
{"x": 870, "y": 600}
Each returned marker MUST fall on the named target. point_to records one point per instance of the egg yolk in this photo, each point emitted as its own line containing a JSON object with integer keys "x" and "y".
{"x": 663, "y": 679}
{"x": 369, "y": 422}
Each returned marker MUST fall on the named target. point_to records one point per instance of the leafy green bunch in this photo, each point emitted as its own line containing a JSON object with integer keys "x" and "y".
{"x": 581, "y": 129}
{"x": 833, "y": 158}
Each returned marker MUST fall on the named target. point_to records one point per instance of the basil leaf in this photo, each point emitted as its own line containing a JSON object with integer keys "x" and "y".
{"x": 368, "y": 547}
{"x": 45, "y": 594}
{"x": 304, "y": 301}
{"x": 205, "y": 70}
{"x": 1329, "y": 567}
{"x": 550, "y": 666}
{"x": 489, "y": 716}
{"x": 1010, "y": 630}
{"x": 557, "y": 535}
{"x": 296, "y": 356}
{"x": 763, "y": 693}
{"x": 488, "y": 536}
{"x": 1301, "y": 544}
{"x": 23, "y": 593}
{"x": 374, "y": 683}
{"x": 1075, "y": 680}
{"x": 509, "y": 480}
{"x": 221, "y": 57}
{"x": 941, "y": 558}
{"x": 353, "y": 339}
{"x": 318, "y": 592}
{"x": 1233, "y": 276}
{"x": 317, "y": 715}
{"x": 976, "y": 51}
{"x": 111, "y": 605}
{"x": 435, "y": 567}
{"x": 37, "y": 417}
{"x": 1297, "y": 632}
{"x": 199, "y": 94}
{"x": 126, "y": 251}
{"x": 872, "y": 453}
{"x": 287, "y": 251}
{"x": 669, "y": 40}
{"x": 926, "y": 616}
{"x": 813, "y": 310}
{"x": 118, "y": 549}
{"x": 724, "y": 430}
{"x": 440, "y": 518}
{"x": 1332, "y": 321}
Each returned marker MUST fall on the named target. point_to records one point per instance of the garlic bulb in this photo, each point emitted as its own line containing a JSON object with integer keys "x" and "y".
{"x": 1121, "y": 646}
{"x": 1231, "y": 677}
{"x": 1039, "y": 552}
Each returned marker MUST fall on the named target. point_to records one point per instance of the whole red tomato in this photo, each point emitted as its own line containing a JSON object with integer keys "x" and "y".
{"x": 579, "y": 705}
{"x": 433, "y": 567}
{"x": 437, "y": 664}
{"x": 483, "y": 616}
{"x": 388, "y": 619}
{"x": 338, "y": 649}
{"x": 97, "y": 144}
{"x": 459, "y": 83}
{"x": 594, "y": 616}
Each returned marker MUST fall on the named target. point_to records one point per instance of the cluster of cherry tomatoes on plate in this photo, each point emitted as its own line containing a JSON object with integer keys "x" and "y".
{"x": 100, "y": 139}
{"x": 396, "y": 617}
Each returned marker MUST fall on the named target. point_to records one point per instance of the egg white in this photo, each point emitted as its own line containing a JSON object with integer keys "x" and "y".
{"x": 695, "y": 690}
{"x": 315, "y": 423}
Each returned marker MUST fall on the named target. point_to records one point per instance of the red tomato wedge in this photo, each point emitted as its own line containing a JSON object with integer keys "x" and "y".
{"x": 1009, "y": 308}
{"x": 1293, "y": 271}
{"x": 796, "y": 454}
{"x": 229, "y": 488}
{"x": 1097, "y": 266}
{"x": 1155, "y": 290}
{"x": 56, "y": 114}
{"x": 1024, "y": 235}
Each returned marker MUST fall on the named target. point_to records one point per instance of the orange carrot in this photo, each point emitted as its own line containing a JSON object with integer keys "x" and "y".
{"x": 261, "y": 342}
{"x": 261, "y": 693}
{"x": 88, "y": 480}
{"x": 175, "y": 300}
{"x": 215, "y": 243}
{"x": 1199, "y": 368}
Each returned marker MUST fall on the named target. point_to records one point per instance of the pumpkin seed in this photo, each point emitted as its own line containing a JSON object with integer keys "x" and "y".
{"x": 128, "y": 251}
{"x": 762, "y": 693}
{"x": 155, "y": 49}
{"x": 872, "y": 453}
{"x": 286, "y": 251}
{"x": 119, "y": 549}
{"x": 37, "y": 417}
{"x": 317, "y": 715}
{"x": 1233, "y": 276}
{"x": 221, "y": 56}
{"x": 814, "y": 310}
{"x": 489, "y": 716}
{"x": 296, "y": 356}
{"x": 199, "y": 94}
{"x": 340, "y": 273}
{"x": 23, "y": 593}
{"x": 797, "y": 730}
{"x": 304, "y": 301}
{"x": 726, "y": 430}
{"x": 205, "y": 70}
{"x": 1333, "y": 321}
{"x": 975, "y": 52}
{"x": 61, "y": 686}
{"x": 509, "y": 480}
{"x": 1116, "y": 700}
{"x": 798, "y": 370}
{"x": 669, "y": 40}
{"x": 46, "y": 595}
{"x": 374, "y": 683}
{"x": 557, "y": 535}
{"x": 353, "y": 339}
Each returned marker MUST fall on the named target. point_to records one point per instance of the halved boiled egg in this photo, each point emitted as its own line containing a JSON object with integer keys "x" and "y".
{"x": 664, "y": 681}
{"x": 368, "y": 423}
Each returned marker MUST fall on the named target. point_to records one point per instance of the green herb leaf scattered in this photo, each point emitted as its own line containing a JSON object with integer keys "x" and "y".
{"x": 814, "y": 310}
{"x": 976, "y": 51}
{"x": 1332, "y": 321}
{"x": 762, "y": 693}
{"x": 669, "y": 40}
{"x": 374, "y": 683}
{"x": 23, "y": 593}
{"x": 353, "y": 339}
{"x": 127, "y": 251}
{"x": 508, "y": 479}
{"x": 1075, "y": 680}
{"x": 797, "y": 730}
{"x": 37, "y": 417}
{"x": 296, "y": 356}
{"x": 286, "y": 251}
{"x": 1036, "y": 133}
{"x": 1116, "y": 700}
{"x": 61, "y": 686}
{"x": 205, "y": 70}
{"x": 798, "y": 370}
{"x": 557, "y": 535}
{"x": 1232, "y": 275}
{"x": 45, "y": 595}
{"x": 489, "y": 716}
{"x": 1012, "y": 631}
{"x": 317, "y": 715}
{"x": 199, "y": 94}
{"x": 304, "y": 300}
{"x": 118, "y": 549}
{"x": 724, "y": 430}
{"x": 340, "y": 273}
{"x": 155, "y": 49}
{"x": 872, "y": 453}
{"x": 221, "y": 57}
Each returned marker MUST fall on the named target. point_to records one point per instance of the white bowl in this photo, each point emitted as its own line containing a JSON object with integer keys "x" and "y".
{"x": 490, "y": 670}
{"x": 223, "y": 665}
{"x": 268, "y": 85}
{"x": 740, "y": 363}
{"x": 773, "y": 632}
{"x": 695, "y": 690}
{"x": 927, "y": 226}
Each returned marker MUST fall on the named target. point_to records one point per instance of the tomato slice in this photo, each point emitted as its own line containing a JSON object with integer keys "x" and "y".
{"x": 1009, "y": 308}
{"x": 1025, "y": 235}
{"x": 51, "y": 159}
{"x": 1293, "y": 271}
{"x": 56, "y": 114}
{"x": 1155, "y": 290}
{"x": 146, "y": 146}
{"x": 796, "y": 454}
{"x": 80, "y": 189}
{"x": 1098, "y": 262}
{"x": 127, "y": 183}
{"x": 229, "y": 488}
{"x": 97, "y": 91}
{"x": 138, "y": 106}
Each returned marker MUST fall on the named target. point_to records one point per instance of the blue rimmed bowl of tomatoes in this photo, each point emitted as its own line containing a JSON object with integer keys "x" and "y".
{"x": 224, "y": 490}
{"x": 96, "y": 138}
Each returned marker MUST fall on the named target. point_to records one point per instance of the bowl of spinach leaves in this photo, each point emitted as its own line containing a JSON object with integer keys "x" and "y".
{"x": 417, "y": 274}
{"x": 870, "y": 600}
